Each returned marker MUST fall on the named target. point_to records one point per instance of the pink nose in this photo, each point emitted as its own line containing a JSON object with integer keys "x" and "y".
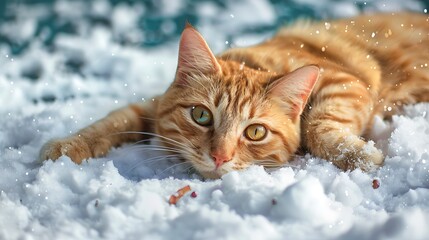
{"x": 220, "y": 158}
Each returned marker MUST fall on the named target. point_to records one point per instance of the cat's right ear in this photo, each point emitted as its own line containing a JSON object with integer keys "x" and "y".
{"x": 195, "y": 56}
{"x": 295, "y": 88}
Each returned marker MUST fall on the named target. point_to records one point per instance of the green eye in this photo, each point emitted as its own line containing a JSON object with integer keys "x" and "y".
{"x": 255, "y": 132}
{"x": 201, "y": 115}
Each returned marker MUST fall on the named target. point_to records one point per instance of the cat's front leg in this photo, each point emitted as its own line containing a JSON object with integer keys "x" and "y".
{"x": 332, "y": 127}
{"x": 347, "y": 151}
{"x": 123, "y": 125}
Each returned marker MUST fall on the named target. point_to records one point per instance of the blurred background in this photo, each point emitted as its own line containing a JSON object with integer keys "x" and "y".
{"x": 148, "y": 23}
{"x": 60, "y": 48}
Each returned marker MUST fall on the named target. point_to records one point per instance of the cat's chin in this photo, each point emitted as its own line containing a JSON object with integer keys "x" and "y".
{"x": 211, "y": 175}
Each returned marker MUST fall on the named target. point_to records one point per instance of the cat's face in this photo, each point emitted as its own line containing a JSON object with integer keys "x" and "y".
{"x": 223, "y": 116}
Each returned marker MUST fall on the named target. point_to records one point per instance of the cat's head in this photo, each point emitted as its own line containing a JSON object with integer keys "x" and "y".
{"x": 223, "y": 116}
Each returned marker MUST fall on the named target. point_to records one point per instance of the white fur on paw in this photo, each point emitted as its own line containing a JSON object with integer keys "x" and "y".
{"x": 374, "y": 153}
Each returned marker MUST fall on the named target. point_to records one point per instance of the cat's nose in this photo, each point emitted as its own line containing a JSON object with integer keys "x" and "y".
{"x": 220, "y": 158}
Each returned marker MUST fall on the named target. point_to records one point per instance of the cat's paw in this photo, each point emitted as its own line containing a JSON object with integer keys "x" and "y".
{"x": 360, "y": 154}
{"x": 74, "y": 147}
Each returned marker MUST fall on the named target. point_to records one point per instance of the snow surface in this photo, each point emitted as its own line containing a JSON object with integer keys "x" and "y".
{"x": 125, "y": 195}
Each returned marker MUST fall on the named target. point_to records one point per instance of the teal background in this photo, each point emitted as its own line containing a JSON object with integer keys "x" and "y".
{"x": 150, "y": 22}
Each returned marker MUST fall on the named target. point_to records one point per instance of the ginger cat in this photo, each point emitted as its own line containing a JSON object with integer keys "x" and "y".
{"x": 314, "y": 85}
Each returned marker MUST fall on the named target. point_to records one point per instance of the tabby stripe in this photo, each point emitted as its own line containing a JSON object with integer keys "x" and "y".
{"x": 229, "y": 105}
{"x": 252, "y": 112}
{"x": 326, "y": 129}
{"x": 244, "y": 101}
{"x": 276, "y": 157}
{"x": 217, "y": 99}
{"x": 332, "y": 117}
{"x": 359, "y": 107}
{"x": 284, "y": 140}
{"x": 235, "y": 103}
{"x": 345, "y": 111}
{"x": 347, "y": 95}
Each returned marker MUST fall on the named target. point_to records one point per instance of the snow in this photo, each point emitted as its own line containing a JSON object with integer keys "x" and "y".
{"x": 49, "y": 92}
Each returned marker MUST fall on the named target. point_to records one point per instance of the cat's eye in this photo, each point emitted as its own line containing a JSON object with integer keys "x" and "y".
{"x": 255, "y": 132}
{"x": 201, "y": 115}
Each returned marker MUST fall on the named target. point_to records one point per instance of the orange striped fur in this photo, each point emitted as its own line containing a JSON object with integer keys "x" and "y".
{"x": 370, "y": 65}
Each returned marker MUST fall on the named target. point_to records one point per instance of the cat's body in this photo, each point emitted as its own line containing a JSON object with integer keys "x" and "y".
{"x": 253, "y": 105}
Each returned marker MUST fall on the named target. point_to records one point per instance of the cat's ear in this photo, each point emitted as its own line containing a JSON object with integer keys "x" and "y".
{"x": 295, "y": 88}
{"x": 195, "y": 55}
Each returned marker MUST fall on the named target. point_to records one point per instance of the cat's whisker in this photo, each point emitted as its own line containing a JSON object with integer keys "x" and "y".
{"x": 174, "y": 146}
{"x": 194, "y": 158}
{"x": 192, "y": 144}
{"x": 183, "y": 147}
{"x": 269, "y": 163}
{"x": 153, "y": 135}
{"x": 162, "y": 157}
{"x": 272, "y": 164}
{"x": 156, "y": 149}
{"x": 143, "y": 141}
{"x": 151, "y": 160}
{"x": 188, "y": 169}
{"x": 173, "y": 166}
{"x": 205, "y": 165}
{"x": 153, "y": 147}
{"x": 160, "y": 148}
{"x": 136, "y": 149}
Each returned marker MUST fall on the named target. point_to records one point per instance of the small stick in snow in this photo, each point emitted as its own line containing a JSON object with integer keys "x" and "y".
{"x": 179, "y": 194}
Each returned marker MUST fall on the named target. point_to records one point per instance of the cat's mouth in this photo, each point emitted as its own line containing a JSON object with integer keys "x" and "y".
{"x": 205, "y": 167}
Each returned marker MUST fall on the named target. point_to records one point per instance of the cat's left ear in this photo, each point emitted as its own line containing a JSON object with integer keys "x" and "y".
{"x": 295, "y": 88}
{"x": 195, "y": 55}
